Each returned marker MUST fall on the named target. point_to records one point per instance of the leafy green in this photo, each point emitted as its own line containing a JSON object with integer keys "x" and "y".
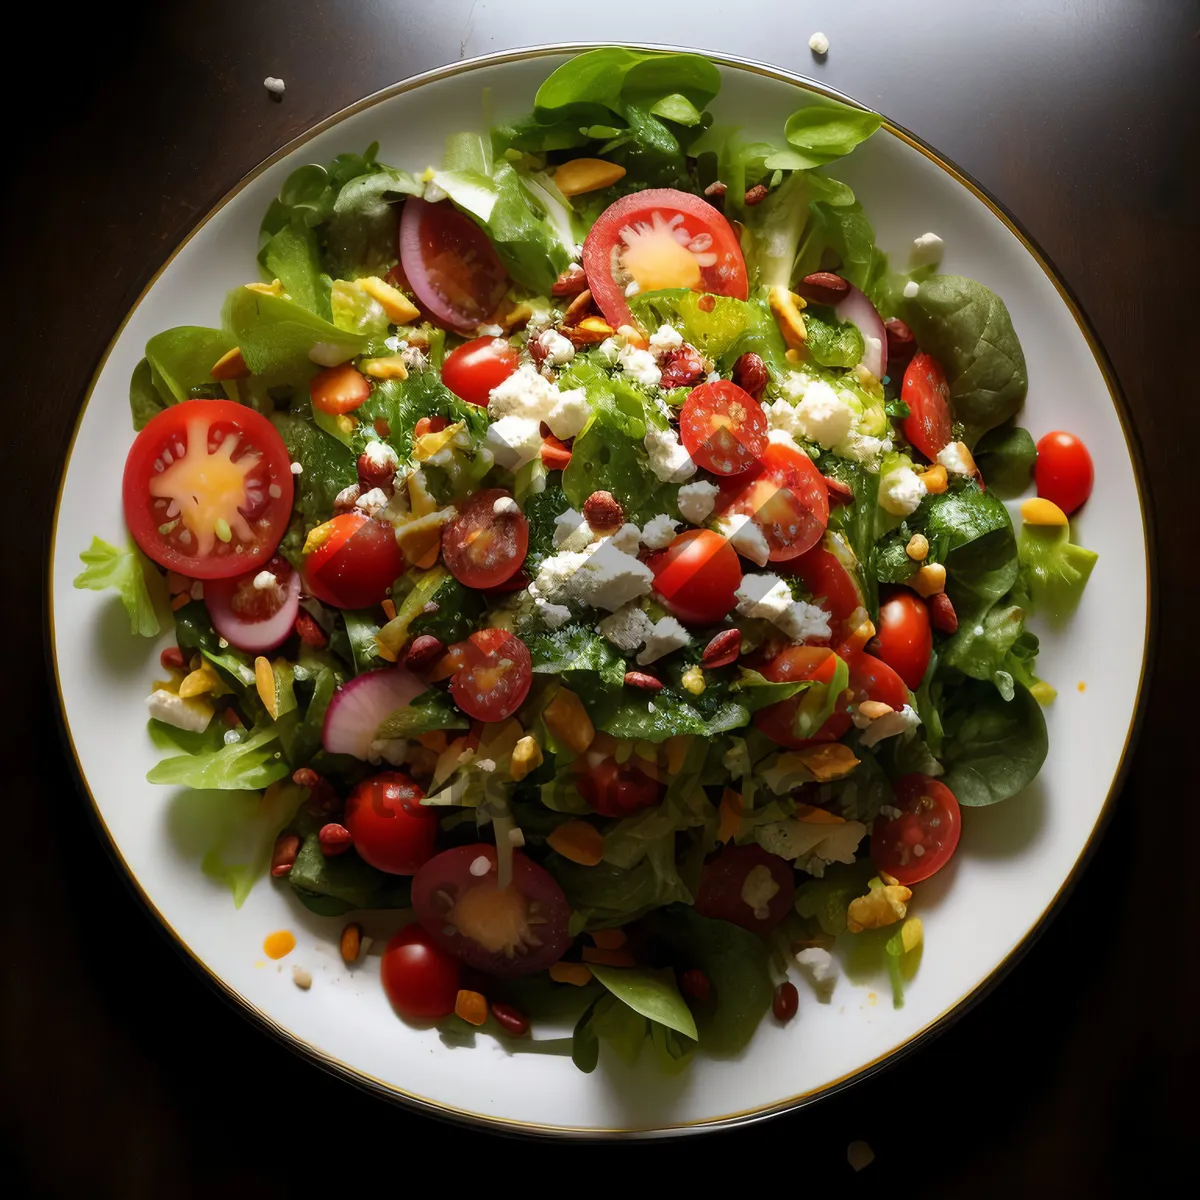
{"x": 457, "y": 608}
{"x": 276, "y": 334}
{"x": 540, "y": 509}
{"x": 361, "y": 233}
{"x": 993, "y": 747}
{"x": 361, "y": 628}
{"x": 572, "y": 649}
{"x": 1054, "y": 570}
{"x": 654, "y": 994}
{"x": 293, "y": 256}
{"x": 966, "y": 327}
{"x": 355, "y": 312}
{"x": 194, "y": 631}
{"x": 346, "y": 880}
{"x": 832, "y": 343}
{"x": 253, "y": 762}
{"x": 827, "y": 898}
{"x": 429, "y": 711}
{"x": 819, "y": 701}
{"x": 328, "y": 467}
{"x": 820, "y": 133}
{"x": 839, "y": 236}
{"x": 145, "y": 401}
{"x": 773, "y": 232}
{"x": 856, "y": 522}
{"x": 300, "y": 731}
{"x": 128, "y": 573}
{"x": 1005, "y": 457}
{"x": 403, "y": 402}
{"x": 182, "y": 359}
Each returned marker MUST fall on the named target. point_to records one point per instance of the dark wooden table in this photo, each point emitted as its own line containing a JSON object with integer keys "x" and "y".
{"x": 123, "y": 1074}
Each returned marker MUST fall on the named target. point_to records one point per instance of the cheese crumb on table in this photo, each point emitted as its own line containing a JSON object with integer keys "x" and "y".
{"x": 275, "y": 86}
{"x": 818, "y": 43}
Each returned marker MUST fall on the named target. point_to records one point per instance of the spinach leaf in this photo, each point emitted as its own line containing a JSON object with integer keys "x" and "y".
{"x": 361, "y": 233}
{"x": 300, "y": 732}
{"x": 966, "y": 327}
{"x": 585, "y": 1041}
{"x": 540, "y": 510}
{"x": 131, "y": 576}
{"x": 194, "y": 631}
{"x": 993, "y": 747}
{"x": 403, "y": 402}
{"x": 827, "y": 898}
{"x": 346, "y": 880}
{"x": 821, "y": 133}
{"x": 654, "y": 994}
{"x": 574, "y": 649}
{"x": 251, "y": 763}
{"x": 293, "y": 256}
{"x": 832, "y": 343}
{"x": 456, "y": 612}
{"x": 840, "y": 237}
{"x": 429, "y": 711}
{"x": 182, "y": 359}
{"x": 145, "y": 400}
{"x": 361, "y": 628}
{"x": 856, "y": 522}
{"x": 1005, "y": 457}
{"x": 328, "y": 467}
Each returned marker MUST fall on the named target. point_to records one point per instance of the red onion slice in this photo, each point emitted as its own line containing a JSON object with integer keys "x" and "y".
{"x": 856, "y": 308}
{"x": 255, "y": 635}
{"x": 359, "y": 707}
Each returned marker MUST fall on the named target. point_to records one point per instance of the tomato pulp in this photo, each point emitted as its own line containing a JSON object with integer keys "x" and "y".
{"x": 485, "y": 545}
{"x": 494, "y": 672}
{"x": 928, "y": 424}
{"x": 921, "y": 840}
{"x": 723, "y": 428}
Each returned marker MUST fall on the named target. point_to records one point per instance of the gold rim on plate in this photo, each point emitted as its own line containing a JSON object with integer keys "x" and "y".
{"x": 729, "y": 1120}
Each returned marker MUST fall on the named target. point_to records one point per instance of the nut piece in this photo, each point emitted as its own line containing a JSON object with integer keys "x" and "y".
{"x": 786, "y": 1001}
{"x": 786, "y": 307}
{"x": 682, "y": 368}
{"x": 423, "y": 651}
{"x": 582, "y": 306}
{"x": 901, "y": 345}
{"x": 639, "y": 679}
{"x": 302, "y": 978}
{"x": 582, "y": 175}
{"x": 716, "y": 190}
{"x": 918, "y": 547}
{"x": 351, "y": 943}
{"x": 695, "y": 985}
{"x": 526, "y": 757}
{"x": 514, "y": 1022}
{"x": 936, "y": 479}
{"x": 305, "y": 777}
{"x": 231, "y": 365}
{"x": 334, "y": 839}
{"x": 578, "y": 841}
{"x": 603, "y": 512}
{"x": 287, "y": 846}
{"x": 823, "y": 287}
{"x": 756, "y": 195}
{"x": 571, "y": 282}
{"x": 874, "y": 709}
{"x": 929, "y": 580}
{"x": 568, "y": 720}
{"x": 375, "y": 472}
{"x": 941, "y": 613}
{"x": 879, "y": 907}
{"x": 750, "y": 374}
{"x": 472, "y": 1007}
{"x": 723, "y": 649}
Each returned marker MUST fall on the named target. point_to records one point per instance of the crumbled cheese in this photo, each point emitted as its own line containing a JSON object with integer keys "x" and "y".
{"x": 264, "y": 581}
{"x": 781, "y": 417}
{"x": 297, "y": 468}
{"x": 632, "y": 288}
{"x": 659, "y": 532}
{"x": 609, "y": 349}
{"x": 768, "y": 598}
{"x": 890, "y": 725}
{"x": 927, "y": 250}
{"x": 556, "y": 349}
{"x": 329, "y": 354}
{"x": 533, "y": 397}
{"x": 393, "y": 751}
{"x": 372, "y": 501}
{"x": 191, "y": 714}
{"x": 865, "y": 449}
{"x": 275, "y": 86}
{"x": 781, "y": 437}
{"x": 664, "y": 338}
{"x": 553, "y": 616}
{"x": 505, "y": 505}
{"x": 911, "y": 288}
{"x": 569, "y": 414}
{"x": 759, "y": 888}
{"x": 639, "y": 365}
{"x": 696, "y": 500}
{"x": 745, "y": 537}
{"x": 627, "y": 539}
{"x": 818, "y": 43}
{"x": 794, "y": 384}
{"x": 666, "y": 635}
{"x": 823, "y": 416}
{"x": 572, "y": 532}
{"x": 627, "y": 628}
{"x": 514, "y": 441}
{"x": 821, "y": 968}
{"x": 609, "y": 578}
{"x": 480, "y": 866}
{"x": 381, "y": 456}
{"x": 555, "y": 575}
{"x": 951, "y": 457}
{"x": 812, "y": 845}
{"x": 900, "y": 492}
{"x": 669, "y": 460}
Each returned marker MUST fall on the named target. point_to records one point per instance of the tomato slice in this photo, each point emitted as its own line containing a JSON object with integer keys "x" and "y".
{"x": 420, "y": 978}
{"x": 905, "y": 636}
{"x": 785, "y": 496}
{"x": 921, "y": 840}
{"x": 208, "y": 489}
{"x": 723, "y": 428}
{"x": 778, "y": 720}
{"x": 514, "y": 930}
{"x": 1064, "y": 472}
{"x": 696, "y": 576}
{"x": 450, "y": 265}
{"x": 474, "y": 368}
{"x": 925, "y": 390}
{"x": 661, "y": 238}
{"x": 339, "y": 390}
{"x": 352, "y": 560}
{"x": 748, "y": 887}
{"x": 494, "y": 677}
{"x": 610, "y": 788}
{"x": 834, "y": 588}
{"x": 483, "y": 548}
{"x": 391, "y": 828}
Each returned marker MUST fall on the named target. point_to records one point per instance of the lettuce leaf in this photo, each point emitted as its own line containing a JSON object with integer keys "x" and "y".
{"x": 1053, "y": 569}
{"x": 131, "y": 576}
{"x": 254, "y": 762}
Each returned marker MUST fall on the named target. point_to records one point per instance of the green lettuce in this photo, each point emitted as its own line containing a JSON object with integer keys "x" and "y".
{"x": 255, "y": 761}
{"x": 131, "y": 576}
{"x": 280, "y": 335}
{"x": 181, "y": 361}
{"x": 1054, "y": 570}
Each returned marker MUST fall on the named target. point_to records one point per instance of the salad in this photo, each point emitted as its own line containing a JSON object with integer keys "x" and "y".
{"x": 592, "y": 550}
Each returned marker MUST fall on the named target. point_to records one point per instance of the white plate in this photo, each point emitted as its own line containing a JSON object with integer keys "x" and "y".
{"x": 1015, "y": 859}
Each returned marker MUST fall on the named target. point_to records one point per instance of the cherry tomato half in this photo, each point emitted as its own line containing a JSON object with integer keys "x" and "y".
{"x": 920, "y": 841}
{"x": 494, "y": 677}
{"x": 483, "y": 548}
{"x": 610, "y": 788}
{"x": 834, "y": 588}
{"x": 785, "y": 496}
{"x": 391, "y": 829}
{"x": 696, "y": 576}
{"x": 339, "y": 390}
{"x": 905, "y": 637}
{"x": 352, "y": 562}
{"x": 778, "y": 720}
{"x": 474, "y": 368}
{"x": 661, "y": 238}
{"x": 927, "y": 394}
{"x": 723, "y": 428}
{"x": 747, "y": 886}
{"x": 420, "y": 978}
{"x": 1064, "y": 473}
{"x": 514, "y": 930}
{"x": 207, "y": 489}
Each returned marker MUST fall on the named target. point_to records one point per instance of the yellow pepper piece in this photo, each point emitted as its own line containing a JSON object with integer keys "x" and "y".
{"x": 568, "y": 720}
{"x": 202, "y": 680}
{"x": 578, "y": 841}
{"x": 429, "y": 444}
{"x": 399, "y": 308}
{"x": 786, "y": 308}
{"x": 391, "y": 366}
{"x": 1042, "y": 512}
{"x": 274, "y": 288}
{"x": 231, "y": 365}
{"x": 264, "y": 681}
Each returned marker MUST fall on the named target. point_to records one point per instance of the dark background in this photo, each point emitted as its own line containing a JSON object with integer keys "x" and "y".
{"x": 122, "y": 1073}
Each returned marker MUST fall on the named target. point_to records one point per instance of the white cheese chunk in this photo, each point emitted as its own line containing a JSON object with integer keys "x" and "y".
{"x": 663, "y": 339}
{"x": 669, "y": 460}
{"x": 556, "y": 349}
{"x": 820, "y": 967}
{"x": 568, "y": 414}
{"x": 927, "y": 250}
{"x": 552, "y": 615}
{"x": 954, "y": 460}
{"x": 768, "y": 598}
{"x": 609, "y": 578}
{"x": 666, "y": 635}
{"x": 514, "y": 441}
{"x": 745, "y": 537}
{"x": 659, "y": 532}
{"x": 192, "y": 714}
{"x": 639, "y": 365}
{"x": 890, "y": 725}
{"x": 627, "y": 539}
{"x": 901, "y": 491}
{"x": 627, "y": 628}
{"x": 696, "y": 500}
{"x": 823, "y": 416}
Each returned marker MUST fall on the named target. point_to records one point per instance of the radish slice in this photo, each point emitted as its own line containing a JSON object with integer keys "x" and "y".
{"x": 450, "y": 265}
{"x": 359, "y": 707}
{"x": 255, "y": 619}
{"x": 856, "y": 308}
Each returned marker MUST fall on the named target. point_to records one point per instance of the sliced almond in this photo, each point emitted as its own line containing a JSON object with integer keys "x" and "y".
{"x": 582, "y": 175}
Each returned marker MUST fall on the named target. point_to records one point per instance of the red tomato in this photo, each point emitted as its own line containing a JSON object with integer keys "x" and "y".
{"x": 723, "y": 428}
{"x": 696, "y": 576}
{"x": 514, "y": 930}
{"x": 208, "y": 489}
{"x": 833, "y": 587}
{"x": 661, "y": 238}
{"x": 481, "y": 547}
{"x": 391, "y": 829}
{"x": 1064, "y": 473}
{"x": 613, "y": 789}
{"x": 778, "y": 720}
{"x": 495, "y": 675}
{"x": 450, "y": 265}
{"x": 785, "y": 496}
{"x": 737, "y": 886}
{"x": 873, "y": 679}
{"x": 474, "y": 368}
{"x": 351, "y": 561}
{"x": 905, "y": 638}
{"x": 925, "y": 391}
{"x": 920, "y": 841}
{"x": 420, "y": 978}
{"x": 339, "y": 390}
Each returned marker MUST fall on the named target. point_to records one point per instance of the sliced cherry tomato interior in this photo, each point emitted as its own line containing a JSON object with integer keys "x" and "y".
{"x": 495, "y": 675}
{"x": 474, "y": 368}
{"x": 920, "y": 841}
{"x": 208, "y": 488}
{"x": 928, "y": 424}
{"x": 747, "y": 886}
{"x": 777, "y": 721}
{"x": 352, "y": 560}
{"x": 723, "y": 428}
{"x": 482, "y": 548}
{"x": 697, "y": 575}
{"x": 833, "y": 586}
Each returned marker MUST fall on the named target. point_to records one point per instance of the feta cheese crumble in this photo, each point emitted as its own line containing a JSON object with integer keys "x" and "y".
{"x": 865, "y": 449}
{"x": 666, "y": 635}
{"x": 911, "y": 288}
{"x": 890, "y": 725}
{"x": 659, "y": 532}
{"x": 505, "y": 506}
{"x": 901, "y": 491}
{"x": 533, "y": 397}
{"x": 627, "y": 628}
{"x": 556, "y": 349}
{"x": 639, "y": 365}
{"x": 951, "y": 457}
{"x": 820, "y": 967}
{"x": 696, "y": 501}
{"x": 664, "y": 338}
{"x": 927, "y": 250}
{"x": 823, "y": 416}
{"x": 669, "y": 460}
{"x": 514, "y": 441}
{"x": 572, "y": 532}
{"x": 768, "y": 598}
{"x": 275, "y": 86}
{"x": 552, "y": 615}
{"x": 745, "y": 537}
{"x": 381, "y": 456}
{"x": 609, "y": 578}
{"x": 627, "y": 539}
{"x": 264, "y": 581}
{"x": 371, "y": 502}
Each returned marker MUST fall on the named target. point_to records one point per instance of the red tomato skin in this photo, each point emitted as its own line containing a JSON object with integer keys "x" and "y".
{"x": 339, "y": 390}
{"x": 929, "y": 424}
{"x": 696, "y": 576}
{"x": 727, "y": 450}
{"x": 615, "y": 789}
{"x": 777, "y": 720}
{"x": 727, "y": 277}
{"x": 391, "y": 829}
{"x": 833, "y": 587}
{"x": 356, "y": 564}
{"x": 484, "y": 651}
{"x": 905, "y": 636}
{"x": 473, "y": 369}
{"x": 720, "y": 892}
{"x": 421, "y": 980}
{"x": 163, "y": 429}
{"x": 1064, "y": 472}
{"x": 872, "y": 679}
{"x": 508, "y": 541}
{"x": 888, "y": 834}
